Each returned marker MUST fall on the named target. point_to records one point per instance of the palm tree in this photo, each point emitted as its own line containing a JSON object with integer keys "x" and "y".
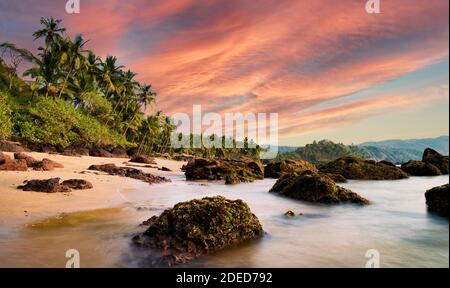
{"x": 144, "y": 98}
{"x": 52, "y": 32}
{"x": 110, "y": 75}
{"x": 76, "y": 58}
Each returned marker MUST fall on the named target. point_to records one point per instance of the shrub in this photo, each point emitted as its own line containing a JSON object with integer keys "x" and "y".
{"x": 5, "y": 117}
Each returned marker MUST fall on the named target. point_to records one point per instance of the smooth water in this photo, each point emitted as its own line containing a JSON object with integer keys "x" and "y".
{"x": 396, "y": 224}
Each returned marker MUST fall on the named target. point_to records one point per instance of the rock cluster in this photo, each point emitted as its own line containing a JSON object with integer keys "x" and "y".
{"x": 22, "y": 162}
{"x": 198, "y": 227}
{"x": 356, "y": 168}
{"x": 112, "y": 169}
{"x": 53, "y": 185}
{"x": 231, "y": 170}
{"x": 432, "y": 164}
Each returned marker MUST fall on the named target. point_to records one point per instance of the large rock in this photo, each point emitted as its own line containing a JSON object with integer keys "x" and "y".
{"x": 144, "y": 159}
{"x": 46, "y": 186}
{"x": 47, "y": 165}
{"x": 438, "y": 200}
{"x": 314, "y": 187}
{"x": 7, "y": 164}
{"x": 53, "y": 185}
{"x": 433, "y": 157}
{"x": 119, "y": 152}
{"x": 78, "y": 184}
{"x": 420, "y": 168}
{"x": 4, "y": 158}
{"x": 8, "y": 146}
{"x": 232, "y": 170}
{"x": 22, "y": 156}
{"x": 276, "y": 169}
{"x": 198, "y": 227}
{"x": 112, "y": 169}
{"x": 100, "y": 152}
{"x": 356, "y": 168}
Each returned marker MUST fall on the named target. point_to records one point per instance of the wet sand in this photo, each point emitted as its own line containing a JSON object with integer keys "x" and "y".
{"x": 18, "y": 207}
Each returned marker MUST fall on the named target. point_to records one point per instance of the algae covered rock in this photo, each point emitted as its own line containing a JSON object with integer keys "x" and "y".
{"x": 431, "y": 156}
{"x": 437, "y": 200}
{"x": 315, "y": 187}
{"x": 198, "y": 227}
{"x": 233, "y": 171}
{"x": 277, "y": 168}
{"x": 419, "y": 168}
{"x": 357, "y": 168}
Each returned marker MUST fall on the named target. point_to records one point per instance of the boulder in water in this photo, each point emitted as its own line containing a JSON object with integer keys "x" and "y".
{"x": 420, "y": 168}
{"x": 315, "y": 187}
{"x": 277, "y": 168}
{"x": 437, "y": 200}
{"x": 431, "y": 156}
{"x": 198, "y": 227}
{"x": 360, "y": 169}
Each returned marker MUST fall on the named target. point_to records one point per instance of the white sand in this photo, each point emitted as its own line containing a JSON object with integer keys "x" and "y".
{"x": 18, "y": 207}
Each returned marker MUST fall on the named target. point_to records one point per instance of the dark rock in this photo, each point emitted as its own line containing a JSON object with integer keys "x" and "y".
{"x": 356, "y": 168}
{"x": 8, "y": 146}
{"x": 165, "y": 169}
{"x": 236, "y": 171}
{"x": 119, "y": 152}
{"x": 314, "y": 187}
{"x": 276, "y": 169}
{"x": 100, "y": 152}
{"x": 290, "y": 213}
{"x": 438, "y": 200}
{"x": 22, "y": 156}
{"x": 144, "y": 159}
{"x": 198, "y": 227}
{"x": 47, "y": 165}
{"x": 75, "y": 152}
{"x": 13, "y": 165}
{"x": 336, "y": 177}
{"x": 433, "y": 157}
{"x": 388, "y": 163}
{"x": 4, "y": 158}
{"x": 112, "y": 169}
{"x": 78, "y": 184}
{"x": 419, "y": 168}
{"x": 47, "y": 186}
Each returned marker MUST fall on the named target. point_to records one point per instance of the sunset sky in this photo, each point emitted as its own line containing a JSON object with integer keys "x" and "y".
{"x": 328, "y": 68}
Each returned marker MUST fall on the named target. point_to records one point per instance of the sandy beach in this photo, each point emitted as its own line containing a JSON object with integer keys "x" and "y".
{"x": 18, "y": 207}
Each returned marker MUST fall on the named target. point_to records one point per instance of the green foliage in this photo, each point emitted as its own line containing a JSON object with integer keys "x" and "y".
{"x": 57, "y": 123}
{"x": 5, "y": 118}
{"x": 321, "y": 152}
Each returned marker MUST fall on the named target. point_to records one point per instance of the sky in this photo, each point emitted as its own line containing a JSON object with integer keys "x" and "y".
{"x": 328, "y": 68}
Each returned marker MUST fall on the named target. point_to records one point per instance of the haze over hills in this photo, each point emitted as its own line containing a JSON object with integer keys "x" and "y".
{"x": 396, "y": 151}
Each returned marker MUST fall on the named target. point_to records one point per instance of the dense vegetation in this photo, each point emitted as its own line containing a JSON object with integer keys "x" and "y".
{"x": 321, "y": 152}
{"x": 73, "y": 98}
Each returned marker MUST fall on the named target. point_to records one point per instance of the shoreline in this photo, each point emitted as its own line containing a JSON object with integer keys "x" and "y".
{"x": 18, "y": 207}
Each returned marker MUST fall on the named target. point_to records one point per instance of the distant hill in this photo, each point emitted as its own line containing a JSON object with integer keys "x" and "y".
{"x": 400, "y": 151}
{"x": 439, "y": 144}
{"x": 396, "y": 151}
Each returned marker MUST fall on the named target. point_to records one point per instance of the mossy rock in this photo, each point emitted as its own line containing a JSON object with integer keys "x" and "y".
{"x": 437, "y": 200}
{"x": 198, "y": 227}
{"x": 315, "y": 187}
{"x": 277, "y": 168}
{"x": 431, "y": 156}
{"x": 360, "y": 169}
{"x": 419, "y": 168}
{"x": 233, "y": 171}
